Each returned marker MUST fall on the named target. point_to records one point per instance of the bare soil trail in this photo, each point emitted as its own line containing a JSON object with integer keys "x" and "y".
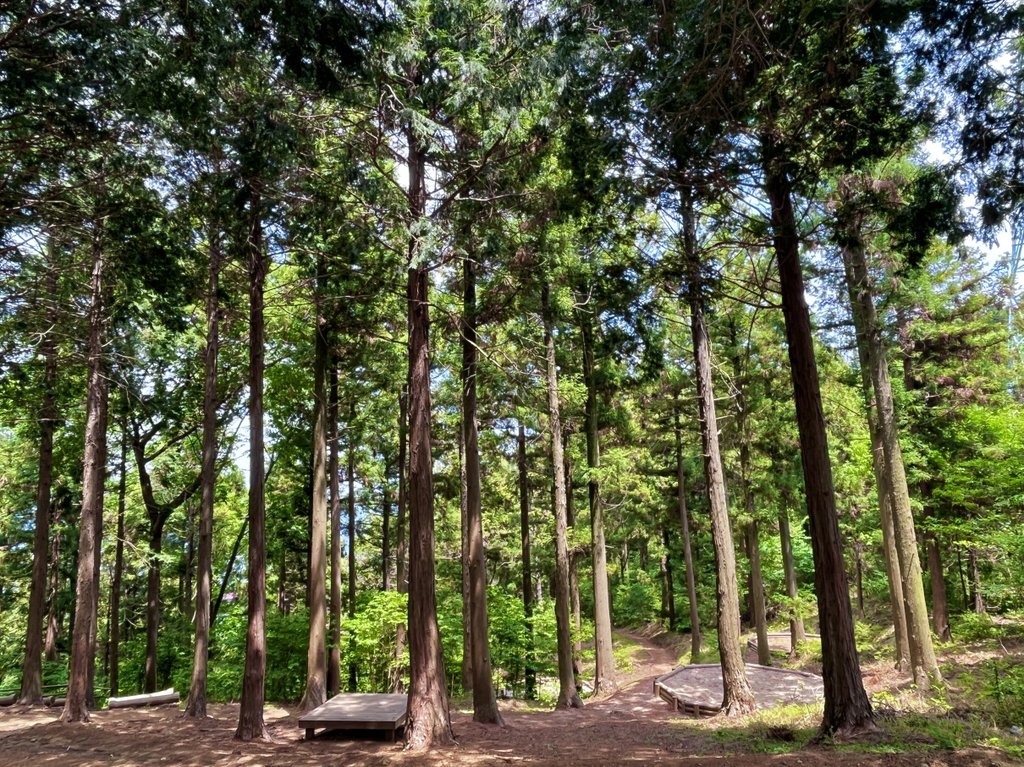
{"x": 629, "y": 726}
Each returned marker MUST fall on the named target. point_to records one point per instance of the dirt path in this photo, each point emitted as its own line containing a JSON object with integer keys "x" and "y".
{"x": 630, "y": 726}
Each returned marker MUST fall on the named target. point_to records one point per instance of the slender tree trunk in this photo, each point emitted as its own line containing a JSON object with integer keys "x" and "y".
{"x": 116, "y": 578}
{"x": 936, "y": 573}
{"x": 797, "y": 633}
{"x": 385, "y": 532}
{"x": 666, "y": 573}
{"x": 467, "y": 626}
{"x": 977, "y": 601}
{"x": 429, "y": 718}
{"x": 53, "y": 611}
{"x": 751, "y": 532}
{"x": 351, "y": 478}
{"x": 31, "y": 692}
{"x": 764, "y": 655}
{"x": 604, "y": 666}
{"x": 737, "y": 697}
{"x": 93, "y": 475}
{"x": 847, "y": 707}
{"x": 316, "y": 656}
{"x": 250, "y": 715}
{"x": 334, "y": 660}
{"x": 568, "y": 697}
{"x": 924, "y": 666}
{"x": 195, "y": 705}
{"x": 684, "y": 520}
{"x": 156, "y": 536}
{"x": 530, "y": 672}
{"x": 401, "y": 546}
{"x": 485, "y": 706}
{"x": 235, "y": 548}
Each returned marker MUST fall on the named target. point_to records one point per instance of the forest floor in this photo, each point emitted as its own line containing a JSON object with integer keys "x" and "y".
{"x": 629, "y": 726}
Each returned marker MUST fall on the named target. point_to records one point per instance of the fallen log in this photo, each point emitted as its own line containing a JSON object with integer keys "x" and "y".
{"x": 8, "y": 700}
{"x": 149, "y": 699}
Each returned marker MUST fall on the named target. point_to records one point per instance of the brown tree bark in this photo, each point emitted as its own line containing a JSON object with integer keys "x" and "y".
{"x": 940, "y": 602}
{"x": 668, "y": 591}
{"x": 751, "y": 530}
{"x": 316, "y": 655}
{"x": 850, "y": 215}
{"x": 334, "y": 481}
{"x": 604, "y": 665}
{"x": 350, "y": 473}
{"x": 737, "y": 697}
{"x": 401, "y": 545}
{"x": 429, "y": 719}
{"x": 93, "y": 475}
{"x": 847, "y": 707}
{"x": 195, "y": 704}
{"x": 797, "y": 634}
{"x": 117, "y": 575}
{"x": 31, "y": 692}
{"x": 684, "y": 520}
{"x": 485, "y": 706}
{"x": 530, "y": 673}
{"x": 568, "y": 697}
{"x": 250, "y": 715}
{"x": 385, "y": 531}
{"x": 467, "y": 626}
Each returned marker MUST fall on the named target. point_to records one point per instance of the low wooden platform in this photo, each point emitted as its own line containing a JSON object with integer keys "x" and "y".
{"x": 697, "y": 690}
{"x": 779, "y": 641}
{"x": 358, "y": 711}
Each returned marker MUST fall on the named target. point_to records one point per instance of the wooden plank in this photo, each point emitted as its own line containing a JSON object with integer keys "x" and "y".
{"x": 357, "y": 711}
{"x": 150, "y": 699}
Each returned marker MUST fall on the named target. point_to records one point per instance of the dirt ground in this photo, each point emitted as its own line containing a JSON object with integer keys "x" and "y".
{"x": 630, "y": 726}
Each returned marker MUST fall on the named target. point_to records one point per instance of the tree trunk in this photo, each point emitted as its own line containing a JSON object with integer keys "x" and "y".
{"x": 604, "y": 666}
{"x": 977, "y": 601}
{"x": 316, "y": 657}
{"x": 93, "y": 475}
{"x": 334, "y": 660}
{"x": 924, "y": 666}
{"x": 429, "y": 720}
{"x": 228, "y": 570}
{"x": 116, "y": 577}
{"x": 751, "y": 532}
{"x": 684, "y": 520}
{"x": 764, "y": 655}
{"x": 485, "y": 706}
{"x": 669, "y": 599}
{"x": 53, "y": 618}
{"x": 385, "y": 532}
{"x": 847, "y": 708}
{"x": 467, "y": 628}
{"x": 351, "y": 478}
{"x": 530, "y": 672}
{"x": 737, "y": 697}
{"x": 156, "y": 536}
{"x": 796, "y": 621}
{"x": 940, "y": 603}
{"x": 31, "y": 692}
{"x": 250, "y": 715}
{"x": 568, "y": 697}
{"x": 401, "y": 546}
{"x": 195, "y": 705}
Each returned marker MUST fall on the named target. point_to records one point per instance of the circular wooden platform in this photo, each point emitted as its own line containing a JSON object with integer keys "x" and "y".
{"x": 697, "y": 689}
{"x": 779, "y": 641}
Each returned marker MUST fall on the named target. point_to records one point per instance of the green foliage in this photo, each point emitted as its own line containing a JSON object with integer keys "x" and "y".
{"x": 368, "y": 640}
{"x": 637, "y": 600}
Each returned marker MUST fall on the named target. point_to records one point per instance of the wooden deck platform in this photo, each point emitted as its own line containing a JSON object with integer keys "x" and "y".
{"x": 697, "y": 690}
{"x": 357, "y": 711}
{"x": 779, "y": 641}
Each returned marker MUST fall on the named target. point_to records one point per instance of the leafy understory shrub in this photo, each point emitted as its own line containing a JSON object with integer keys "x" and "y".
{"x": 637, "y": 600}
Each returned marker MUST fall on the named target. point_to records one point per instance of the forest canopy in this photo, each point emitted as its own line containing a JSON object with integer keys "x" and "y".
{"x": 439, "y": 337}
